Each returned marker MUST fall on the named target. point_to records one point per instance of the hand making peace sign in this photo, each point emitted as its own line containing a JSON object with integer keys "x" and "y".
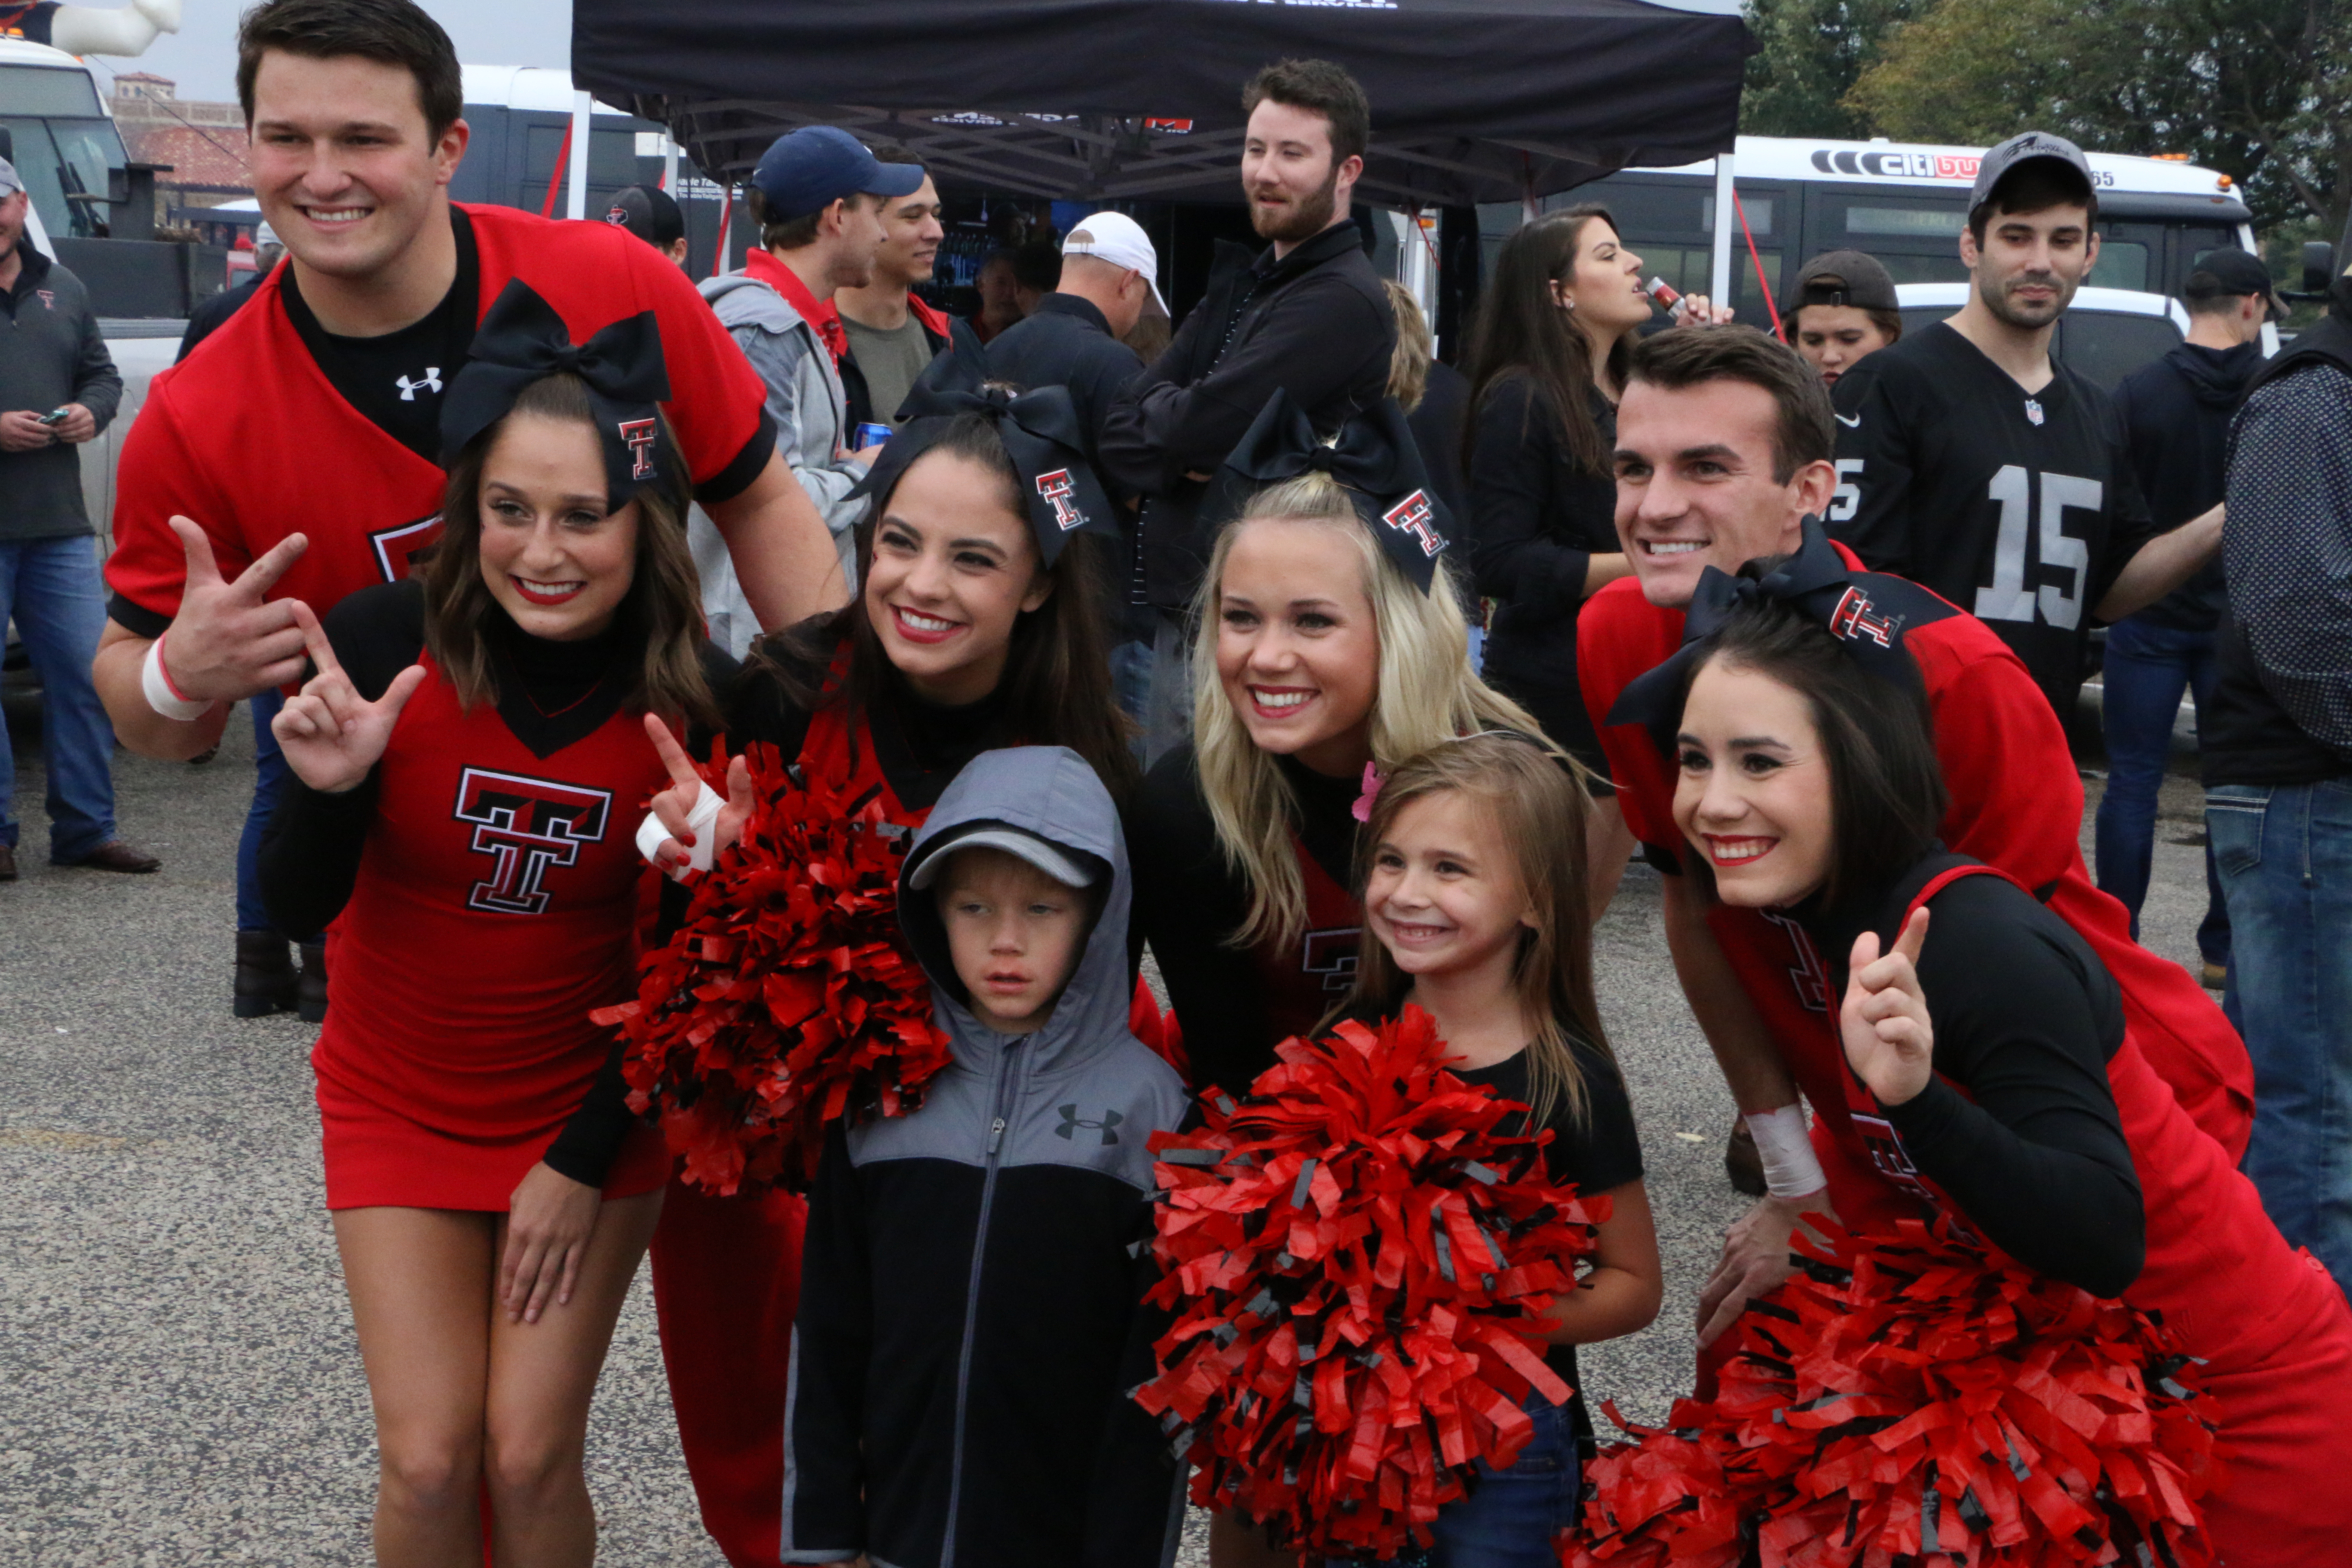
{"x": 1885, "y": 1018}
{"x": 676, "y": 804}
{"x": 329, "y": 736}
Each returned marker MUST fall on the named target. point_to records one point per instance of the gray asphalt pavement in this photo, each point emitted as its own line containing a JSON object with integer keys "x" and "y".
{"x": 178, "y": 1379}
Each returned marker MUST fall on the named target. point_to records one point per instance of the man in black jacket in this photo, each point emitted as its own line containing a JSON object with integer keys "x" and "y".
{"x": 59, "y": 388}
{"x": 2177, "y": 428}
{"x": 1072, "y": 340}
{"x": 1308, "y": 316}
{"x": 2278, "y": 774}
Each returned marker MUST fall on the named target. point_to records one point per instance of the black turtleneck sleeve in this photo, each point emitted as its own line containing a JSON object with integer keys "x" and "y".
{"x": 2025, "y": 1018}
{"x": 1189, "y": 901}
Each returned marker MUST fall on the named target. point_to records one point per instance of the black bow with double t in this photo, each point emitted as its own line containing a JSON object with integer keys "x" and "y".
{"x": 1868, "y": 613}
{"x": 1376, "y": 461}
{"x": 1041, "y": 433}
{"x": 523, "y": 340}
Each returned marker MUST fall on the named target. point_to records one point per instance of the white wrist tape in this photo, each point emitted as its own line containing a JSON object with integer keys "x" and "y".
{"x": 161, "y": 695}
{"x": 702, "y": 822}
{"x": 1790, "y": 1168}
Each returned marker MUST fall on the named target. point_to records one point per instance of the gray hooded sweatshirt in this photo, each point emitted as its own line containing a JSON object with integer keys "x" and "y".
{"x": 971, "y": 1318}
{"x": 806, "y": 401}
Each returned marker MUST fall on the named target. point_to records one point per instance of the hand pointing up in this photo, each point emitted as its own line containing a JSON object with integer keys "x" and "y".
{"x": 329, "y": 736}
{"x": 229, "y": 641}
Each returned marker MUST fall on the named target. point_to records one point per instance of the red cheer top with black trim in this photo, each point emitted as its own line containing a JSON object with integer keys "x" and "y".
{"x": 1308, "y": 975}
{"x": 2268, "y": 1324}
{"x": 256, "y": 436}
{"x": 2016, "y": 804}
{"x": 494, "y": 909}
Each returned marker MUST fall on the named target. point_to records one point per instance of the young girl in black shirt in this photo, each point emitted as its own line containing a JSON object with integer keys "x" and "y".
{"x": 1474, "y": 894}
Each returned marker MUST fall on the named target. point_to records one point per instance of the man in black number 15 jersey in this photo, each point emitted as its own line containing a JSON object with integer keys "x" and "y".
{"x": 1972, "y": 462}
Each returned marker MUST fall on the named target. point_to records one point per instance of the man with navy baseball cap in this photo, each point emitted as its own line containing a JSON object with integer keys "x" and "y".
{"x": 818, "y": 196}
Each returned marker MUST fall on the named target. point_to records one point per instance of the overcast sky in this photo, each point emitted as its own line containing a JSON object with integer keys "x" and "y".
{"x": 202, "y": 58}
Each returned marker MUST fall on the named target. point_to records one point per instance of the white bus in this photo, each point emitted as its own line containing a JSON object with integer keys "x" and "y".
{"x": 1904, "y": 204}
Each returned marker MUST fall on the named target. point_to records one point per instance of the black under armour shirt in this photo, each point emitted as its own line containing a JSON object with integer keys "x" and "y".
{"x": 397, "y": 380}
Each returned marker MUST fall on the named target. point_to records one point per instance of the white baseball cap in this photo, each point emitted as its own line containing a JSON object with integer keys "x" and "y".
{"x": 264, "y": 235}
{"x": 9, "y": 183}
{"x": 1050, "y": 859}
{"x": 1119, "y": 239}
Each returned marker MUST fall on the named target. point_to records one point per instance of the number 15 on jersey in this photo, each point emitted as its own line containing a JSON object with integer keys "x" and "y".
{"x": 2009, "y": 597}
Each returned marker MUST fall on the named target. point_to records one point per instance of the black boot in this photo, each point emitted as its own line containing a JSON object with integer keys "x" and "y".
{"x": 265, "y": 975}
{"x": 312, "y": 990}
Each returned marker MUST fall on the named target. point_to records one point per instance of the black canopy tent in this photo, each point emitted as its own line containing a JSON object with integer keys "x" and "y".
{"x": 1472, "y": 100}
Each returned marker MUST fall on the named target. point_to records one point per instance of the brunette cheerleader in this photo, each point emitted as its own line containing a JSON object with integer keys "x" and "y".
{"x": 1987, "y": 1070}
{"x": 976, "y": 627}
{"x": 469, "y": 753}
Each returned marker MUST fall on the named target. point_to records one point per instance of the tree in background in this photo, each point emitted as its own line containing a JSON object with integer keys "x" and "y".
{"x": 1810, "y": 53}
{"x": 2260, "y": 89}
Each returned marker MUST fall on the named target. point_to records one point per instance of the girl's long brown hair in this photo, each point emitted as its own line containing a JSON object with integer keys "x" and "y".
{"x": 1520, "y": 329}
{"x": 1538, "y": 810}
{"x": 664, "y": 604}
{"x": 1056, "y": 671}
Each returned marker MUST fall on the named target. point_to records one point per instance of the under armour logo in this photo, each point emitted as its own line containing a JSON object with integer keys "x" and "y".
{"x": 1072, "y": 1121}
{"x": 639, "y": 435}
{"x": 1853, "y": 619}
{"x": 1060, "y": 492}
{"x": 1412, "y": 515}
{"x": 429, "y": 382}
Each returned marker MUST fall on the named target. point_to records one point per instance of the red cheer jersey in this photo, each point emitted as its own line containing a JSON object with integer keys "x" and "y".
{"x": 2016, "y": 804}
{"x": 494, "y": 909}
{"x": 251, "y": 441}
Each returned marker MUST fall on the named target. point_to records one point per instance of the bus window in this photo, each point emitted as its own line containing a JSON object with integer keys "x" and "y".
{"x": 1756, "y": 210}
{"x": 1908, "y": 222}
{"x": 1923, "y": 269}
{"x": 2106, "y": 346}
{"x": 2122, "y": 264}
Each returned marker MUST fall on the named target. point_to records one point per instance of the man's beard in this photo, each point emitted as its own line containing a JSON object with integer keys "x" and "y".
{"x": 1303, "y": 221}
{"x": 1998, "y": 301}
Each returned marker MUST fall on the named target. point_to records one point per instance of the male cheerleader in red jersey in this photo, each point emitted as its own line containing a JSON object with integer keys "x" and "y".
{"x": 1972, "y": 462}
{"x": 1723, "y": 455}
{"x": 296, "y": 456}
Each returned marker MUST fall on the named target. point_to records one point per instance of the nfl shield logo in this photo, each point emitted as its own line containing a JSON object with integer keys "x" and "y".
{"x": 2034, "y": 410}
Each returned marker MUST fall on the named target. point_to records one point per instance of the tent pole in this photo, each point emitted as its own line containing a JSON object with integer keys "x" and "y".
{"x": 669, "y": 162}
{"x": 576, "y": 200}
{"x": 1719, "y": 285}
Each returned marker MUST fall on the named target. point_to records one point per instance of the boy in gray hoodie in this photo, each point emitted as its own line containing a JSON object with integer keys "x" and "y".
{"x": 970, "y": 1314}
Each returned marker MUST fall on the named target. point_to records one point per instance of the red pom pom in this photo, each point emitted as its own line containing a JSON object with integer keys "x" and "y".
{"x": 788, "y": 997}
{"x": 1908, "y": 1395}
{"x": 1363, "y": 1269}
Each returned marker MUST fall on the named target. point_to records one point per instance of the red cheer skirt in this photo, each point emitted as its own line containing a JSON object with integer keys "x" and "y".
{"x": 378, "y": 1157}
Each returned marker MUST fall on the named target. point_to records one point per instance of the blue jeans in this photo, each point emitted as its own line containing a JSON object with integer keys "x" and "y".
{"x": 2147, "y": 669}
{"x": 1509, "y": 1519}
{"x": 2284, "y": 853}
{"x": 270, "y": 776}
{"x": 51, "y": 586}
{"x": 1130, "y": 685}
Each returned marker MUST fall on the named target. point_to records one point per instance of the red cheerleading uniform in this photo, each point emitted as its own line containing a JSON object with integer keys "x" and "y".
{"x": 2016, "y": 804}
{"x": 727, "y": 1270}
{"x": 254, "y": 439}
{"x": 492, "y": 907}
{"x": 2268, "y": 1323}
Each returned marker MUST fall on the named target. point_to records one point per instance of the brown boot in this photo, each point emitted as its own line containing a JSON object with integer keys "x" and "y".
{"x": 1742, "y": 1161}
{"x": 311, "y": 990}
{"x": 265, "y": 975}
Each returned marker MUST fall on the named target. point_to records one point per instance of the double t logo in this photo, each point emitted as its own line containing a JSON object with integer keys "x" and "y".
{"x": 527, "y": 824}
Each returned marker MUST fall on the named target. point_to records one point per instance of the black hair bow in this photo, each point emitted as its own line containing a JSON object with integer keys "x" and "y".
{"x": 523, "y": 340}
{"x": 1867, "y": 612}
{"x": 1041, "y": 433}
{"x": 1376, "y": 461}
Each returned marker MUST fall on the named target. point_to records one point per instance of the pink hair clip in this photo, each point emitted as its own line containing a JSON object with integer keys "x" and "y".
{"x": 1363, "y": 809}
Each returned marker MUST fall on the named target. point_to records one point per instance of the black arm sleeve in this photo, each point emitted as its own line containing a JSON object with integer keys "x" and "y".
{"x": 1135, "y": 1503}
{"x": 1188, "y": 903}
{"x": 2034, "y": 1152}
{"x": 1519, "y": 552}
{"x": 310, "y": 850}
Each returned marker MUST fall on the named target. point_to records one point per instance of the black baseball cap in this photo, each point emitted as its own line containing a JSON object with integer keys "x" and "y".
{"x": 810, "y": 169}
{"x": 1842, "y": 277}
{"x": 647, "y": 212}
{"x": 2026, "y": 147}
{"x": 2230, "y": 271}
